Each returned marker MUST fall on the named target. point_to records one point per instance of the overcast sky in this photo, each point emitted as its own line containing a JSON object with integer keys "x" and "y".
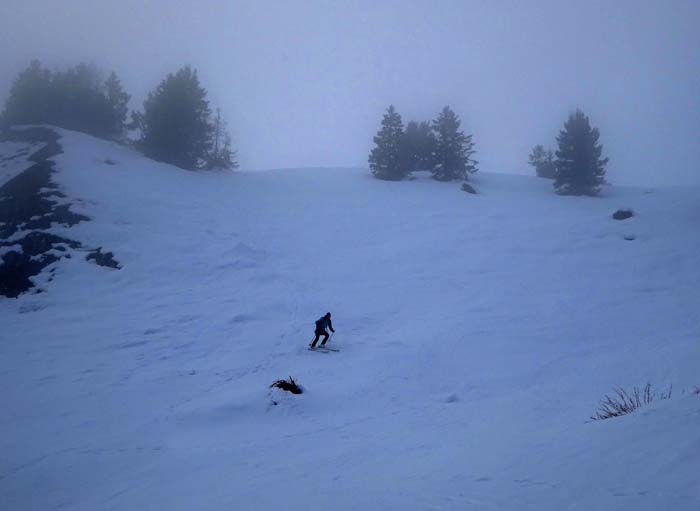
{"x": 304, "y": 83}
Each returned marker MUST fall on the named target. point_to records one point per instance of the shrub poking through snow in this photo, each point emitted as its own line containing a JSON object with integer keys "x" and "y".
{"x": 288, "y": 385}
{"x": 623, "y": 214}
{"x": 623, "y": 402}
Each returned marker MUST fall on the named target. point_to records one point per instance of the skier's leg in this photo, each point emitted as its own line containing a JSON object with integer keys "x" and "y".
{"x": 325, "y": 338}
{"x": 313, "y": 344}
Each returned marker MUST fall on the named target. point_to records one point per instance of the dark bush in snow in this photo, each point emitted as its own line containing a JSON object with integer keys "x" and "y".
{"x": 288, "y": 385}
{"x": 623, "y": 402}
{"x": 623, "y": 214}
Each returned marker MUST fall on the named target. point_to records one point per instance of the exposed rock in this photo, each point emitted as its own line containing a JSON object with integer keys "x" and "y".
{"x": 623, "y": 214}
{"x": 103, "y": 258}
{"x": 38, "y": 250}
{"x": 26, "y": 205}
{"x": 466, "y": 187}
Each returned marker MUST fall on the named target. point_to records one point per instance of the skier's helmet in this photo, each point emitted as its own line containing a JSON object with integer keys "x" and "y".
{"x": 328, "y": 314}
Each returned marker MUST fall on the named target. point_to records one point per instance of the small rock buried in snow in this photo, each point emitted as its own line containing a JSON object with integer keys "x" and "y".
{"x": 630, "y": 237}
{"x": 466, "y": 187}
{"x": 103, "y": 258}
{"x": 623, "y": 214}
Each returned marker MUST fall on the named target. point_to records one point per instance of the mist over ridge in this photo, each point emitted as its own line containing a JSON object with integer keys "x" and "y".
{"x": 304, "y": 84}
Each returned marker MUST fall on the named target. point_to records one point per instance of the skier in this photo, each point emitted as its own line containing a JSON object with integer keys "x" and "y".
{"x": 321, "y": 325}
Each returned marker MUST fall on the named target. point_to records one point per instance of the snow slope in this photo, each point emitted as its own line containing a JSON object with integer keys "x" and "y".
{"x": 477, "y": 334}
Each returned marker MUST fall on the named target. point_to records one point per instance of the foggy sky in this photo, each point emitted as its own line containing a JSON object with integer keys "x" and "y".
{"x": 304, "y": 83}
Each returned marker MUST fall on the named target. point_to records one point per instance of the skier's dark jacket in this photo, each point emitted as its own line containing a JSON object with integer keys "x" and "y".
{"x": 323, "y": 323}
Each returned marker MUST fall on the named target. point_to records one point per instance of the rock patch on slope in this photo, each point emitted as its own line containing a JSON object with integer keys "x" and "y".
{"x": 28, "y": 208}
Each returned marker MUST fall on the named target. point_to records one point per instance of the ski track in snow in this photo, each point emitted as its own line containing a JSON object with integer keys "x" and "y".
{"x": 477, "y": 332}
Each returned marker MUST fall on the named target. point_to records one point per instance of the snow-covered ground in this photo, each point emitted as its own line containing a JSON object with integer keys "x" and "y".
{"x": 14, "y": 158}
{"x": 477, "y": 334}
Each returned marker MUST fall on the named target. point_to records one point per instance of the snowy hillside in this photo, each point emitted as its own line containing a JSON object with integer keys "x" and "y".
{"x": 477, "y": 335}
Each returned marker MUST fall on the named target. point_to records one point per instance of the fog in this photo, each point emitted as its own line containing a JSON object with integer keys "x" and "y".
{"x": 305, "y": 83}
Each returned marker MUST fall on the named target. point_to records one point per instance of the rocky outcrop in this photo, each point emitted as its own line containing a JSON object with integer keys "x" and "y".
{"x": 29, "y": 206}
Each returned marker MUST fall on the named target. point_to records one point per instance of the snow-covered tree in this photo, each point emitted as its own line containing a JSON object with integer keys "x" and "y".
{"x": 385, "y": 158}
{"x": 453, "y": 150}
{"x": 580, "y": 170}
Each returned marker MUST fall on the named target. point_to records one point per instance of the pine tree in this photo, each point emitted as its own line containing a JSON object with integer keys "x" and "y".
{"x": 580, "y": 170}
{"x": 75, "y": 99}
{"x": 28, "y": 102}
{"x": 175, "y": 124}
{"x": 418, "y": 147}
{"x": 454, "y": 149}
{"x": 385, "y": 158}
{"x": 78, "y": 101}
{"x": 222, "y": 156}
{"x": 543, "y": 161}
{"x": 118, "y": 101}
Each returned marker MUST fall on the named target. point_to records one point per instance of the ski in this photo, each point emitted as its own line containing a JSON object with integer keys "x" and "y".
{"x": 319, "y": 350}
{"x": 328, "y": 349}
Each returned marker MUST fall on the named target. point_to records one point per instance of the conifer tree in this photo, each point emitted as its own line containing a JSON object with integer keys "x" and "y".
{"x": 29, "y": 97}
{"x": 175, "y": 124}
{"x": 78, "y": 101}
{"x": 222, "y": 156}
{"x": 385, "y": 158}
{"x": 418, "y": 147}
{"x": 75, "y": 99}
{"x": 580, "y": 170}
{"x": 543, "y": 161}
{"x": 118, "y": 101}
{"x": 453, "y": 150}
